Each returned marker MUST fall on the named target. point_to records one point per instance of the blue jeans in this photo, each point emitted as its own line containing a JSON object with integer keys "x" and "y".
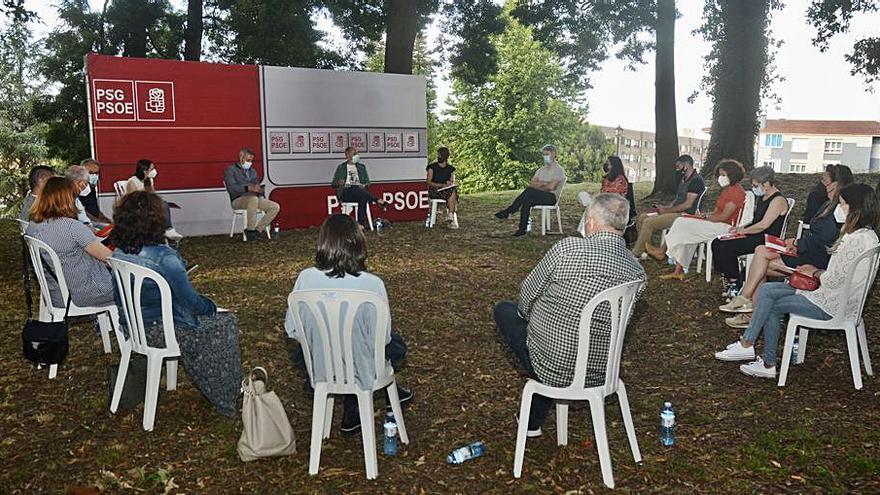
{"x": 514, "y": 329}
{"x": 772, "y": 302}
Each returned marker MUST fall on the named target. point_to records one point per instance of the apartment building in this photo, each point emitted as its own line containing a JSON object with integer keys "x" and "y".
{"x": 807, "y": 146}
{"x": 637, "y": 149}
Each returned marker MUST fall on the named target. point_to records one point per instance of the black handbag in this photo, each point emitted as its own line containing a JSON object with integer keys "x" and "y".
{"x": 42, "y": 343}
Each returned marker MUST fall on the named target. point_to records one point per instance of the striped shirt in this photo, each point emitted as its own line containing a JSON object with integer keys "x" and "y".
{"x": 554, "y": 294}
{"x": 88, "y": 279}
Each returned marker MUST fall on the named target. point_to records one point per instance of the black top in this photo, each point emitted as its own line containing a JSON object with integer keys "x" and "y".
{"x": 693, "y": 184}
{"x": 440, "y": 175}
{"x": 761, "y": 206}
{"x": 90, "y": 202}
{"x": 815, "y": 200}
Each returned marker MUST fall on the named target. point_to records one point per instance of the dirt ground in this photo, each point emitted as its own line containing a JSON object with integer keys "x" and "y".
{"x": 735, "y": 434}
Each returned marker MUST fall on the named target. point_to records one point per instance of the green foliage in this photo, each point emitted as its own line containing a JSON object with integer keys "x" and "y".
{"x": 497, "y": 129}
{"x": 831, "y": 17}
{"x": 22, "y": 134}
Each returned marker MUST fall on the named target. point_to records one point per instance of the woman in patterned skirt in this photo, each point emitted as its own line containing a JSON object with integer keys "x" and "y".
{"x": 208, "y": 340}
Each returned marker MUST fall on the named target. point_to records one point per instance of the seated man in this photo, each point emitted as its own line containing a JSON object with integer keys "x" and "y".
{"x": 544, "y": 189}
{"x": 351, "y": 182}
{"x": 90, "y": 200}
{"x": 246, "y": 193}
{"x": 542, "y": 330}
{"x": 80, "y": 178}
{"x": 690, "y": 187}
{"x": 37, "y": 177}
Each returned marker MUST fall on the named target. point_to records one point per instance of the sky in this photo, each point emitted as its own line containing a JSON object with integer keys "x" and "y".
{"x": 816, "y": 86}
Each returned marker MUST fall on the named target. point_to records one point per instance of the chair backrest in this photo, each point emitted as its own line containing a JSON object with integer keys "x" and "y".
{"x": 700, "y": 199}
{"x": 866, "y": 263}
{"x": 119, "y": 186}
{"x": 130, "y": 279}
{"x": 618, "y": 302}
{"x": 38, "y": 249}
{"x": 334, "y": 313}
{"x": 22, "y": 225}
{"x": 747, "y": 211}
{"x": 787, "y": 214}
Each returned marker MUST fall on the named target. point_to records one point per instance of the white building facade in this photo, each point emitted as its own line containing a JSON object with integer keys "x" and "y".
{"x": 807, "y": 146}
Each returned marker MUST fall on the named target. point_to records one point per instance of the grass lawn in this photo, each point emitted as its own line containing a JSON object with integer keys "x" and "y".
{"x": 735, "y": 434}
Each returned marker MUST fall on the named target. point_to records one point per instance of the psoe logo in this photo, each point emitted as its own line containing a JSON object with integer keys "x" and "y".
{"x": 114, "y": 99}
{"x": 155, "y": 100}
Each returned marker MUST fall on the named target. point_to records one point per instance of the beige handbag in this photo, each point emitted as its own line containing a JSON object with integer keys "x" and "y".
{"x": 267, "y": 431}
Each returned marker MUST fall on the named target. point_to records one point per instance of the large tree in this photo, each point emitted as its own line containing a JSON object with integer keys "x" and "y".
{"x": 831, "y": 17}
{"x": 195, "y": 26}
{"x": 665, "y": 119}
{"x": 736, "y": 73}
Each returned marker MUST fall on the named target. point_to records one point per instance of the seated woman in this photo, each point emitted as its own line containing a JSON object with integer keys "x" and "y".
{"x": 777, "y": 299}
{"x": 769, "y": 216}
{"x": 340, "y": 263}
{"x": 53, "y": 220}
{"x": 441, "y": 174}
{"x": 823, "y": 190}
{"x": 688, "y": 232}
{"x": 208, "y": 340}
{"x": 811, "y": 249}
{"x": 614, "y": 180}
{"x": 144, "y": 179}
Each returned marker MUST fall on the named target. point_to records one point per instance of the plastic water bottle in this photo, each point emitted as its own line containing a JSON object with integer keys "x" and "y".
{"x": 795, "y": 348}
{"x": 529, "y": 225}
{"x": 428, "y": 221}
{"x": 466, "y": 453}
{"x": 667, "y": 425}
{"x": 389, "y": 445}
{"x": 276, "y": 231}
{"x": 380, "y": 226}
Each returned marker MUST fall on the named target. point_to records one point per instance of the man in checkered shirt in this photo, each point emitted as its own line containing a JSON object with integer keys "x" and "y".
{"x": 542, "y": 330}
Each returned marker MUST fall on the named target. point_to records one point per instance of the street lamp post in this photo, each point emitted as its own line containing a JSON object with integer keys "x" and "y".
{"x": 618, "y": 132}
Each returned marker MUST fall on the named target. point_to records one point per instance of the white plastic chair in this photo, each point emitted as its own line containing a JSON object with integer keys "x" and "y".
{"x": 350, "y": 206}
{"x": 802, "y": 227}
{"x": 119, "y": 187}
{"x": 619, "y": 301}
{"x": 236, "y": 213}
{"x": 129, "y": 280}
{"x": 435, "y": 203}
{"x": 704, "y": 252}
{"x": 22, "y": 225}
{"x": 696, "y": 211}
{"x": 853, "y": 329}
{"x": 545, "y": 217}
{"x": 334, "y": 312}
{"x": 40, "y": 252}
{"x": 748, "y": 257}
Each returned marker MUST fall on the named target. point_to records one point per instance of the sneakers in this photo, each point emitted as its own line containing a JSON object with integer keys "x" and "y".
{"x": 454, "y": 224}
{"x": 529, "y": 433}
{"x": 173, "y": 235}
{"x": 404, "y": 394}
{"x": 502, "y": 215}
{"x": 520, "y": 233}
{"x": 736, "y": 352}
{"x": 251, "y": 235}
{"x": 757, "y": 369}
{"x": 738, "y": 304}
{"x": 741, "y": 320}
{"x": 351, "y": 421}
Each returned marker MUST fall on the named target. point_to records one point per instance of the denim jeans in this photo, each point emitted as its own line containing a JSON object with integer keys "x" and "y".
{"x": 772, "y": 302}
{"x": 514, "y": 329}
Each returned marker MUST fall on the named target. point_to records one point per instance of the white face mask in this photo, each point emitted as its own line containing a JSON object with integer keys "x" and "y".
{"x": 246, "y": 165}
{"x": 152, "y": 173}
{"x": 547, "y": 159}
{"x": 839, "y": 214}
{"x": 86, "y": 191}
{"x": 723, "y": 181}
{"x": 356, "y": 159}
{"x": 93, "y": 179}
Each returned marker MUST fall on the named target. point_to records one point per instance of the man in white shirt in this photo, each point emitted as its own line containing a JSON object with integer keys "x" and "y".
{"x": 79, "y": 175}
{"x": 544, "y": 189}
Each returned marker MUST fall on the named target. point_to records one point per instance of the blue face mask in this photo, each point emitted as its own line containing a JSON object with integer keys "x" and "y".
{"x": 93, "y": 179}
{"x": 758, "y": 190}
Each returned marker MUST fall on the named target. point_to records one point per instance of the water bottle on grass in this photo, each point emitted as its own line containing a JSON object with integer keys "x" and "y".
{"x": 466, "y": 453}
{"x": 276, "y": 231}
{"x": 389, "y": 445}
{"x": 667, "y": 425}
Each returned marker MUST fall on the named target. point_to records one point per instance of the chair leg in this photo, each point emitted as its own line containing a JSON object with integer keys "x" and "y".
{"x": 543, "y": 221}
{"x": 232, "y": 228}
{"x": 852, "y": 347}
{"x": 628, "y": 421}
{"x": 121, "y": 374}
{"x": 328, "y": 416}
{"x": 708, "y": 262}
{"x": 522, "y": 429}
{"x": 433, "y": 219}
{"x": 104, "y": 326}
{"x": 171, "y": 374}
{"x": 319, "y": 404}
{"x": 803, "y": 336}
{"x": 863, "y": 343}
{"x": 370, "y": 217}
{"x": 53, "y": 371}
{"x": 368, "y": 433}
{"x": 790, "y": 331}
{"x": 561, "y": 423}
{"x": 559, "y": 218}
{"x": 151, "y": 398}
{"x": 597, "y": 410}
{"x": 394, "y": 397}
{"x": 700, "y": 257}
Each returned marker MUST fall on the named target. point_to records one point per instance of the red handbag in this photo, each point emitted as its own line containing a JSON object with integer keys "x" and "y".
{"x": 802, "y": 281}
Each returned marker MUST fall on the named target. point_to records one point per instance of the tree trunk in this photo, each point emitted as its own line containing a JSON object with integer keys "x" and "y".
{"x": 401, "y": 29}
{"x": 193, "y": 35}
{"x": 742, "y": 65}
{"x": 665, "y": 121}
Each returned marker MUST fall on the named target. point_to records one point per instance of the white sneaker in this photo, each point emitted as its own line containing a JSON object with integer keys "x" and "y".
{"x": 757, "y": 369}
{"x": 736, "y": 352}
{"x": 738, "y": 304}
{"x": 529, "y": 433}
{"x": 450, "y": 217}
{"x": 454, "y": 224}
{"x": 173, "y": 235}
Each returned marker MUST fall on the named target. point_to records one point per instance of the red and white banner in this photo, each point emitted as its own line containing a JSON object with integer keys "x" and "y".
{"x": 191, "y": 118}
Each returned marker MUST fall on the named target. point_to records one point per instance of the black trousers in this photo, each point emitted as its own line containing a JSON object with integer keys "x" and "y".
{"x": 513, "y": 329}
{"x": 359, "y": 195}
{"x": 725, "y": 253}
{"x": 526, "y": 200}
